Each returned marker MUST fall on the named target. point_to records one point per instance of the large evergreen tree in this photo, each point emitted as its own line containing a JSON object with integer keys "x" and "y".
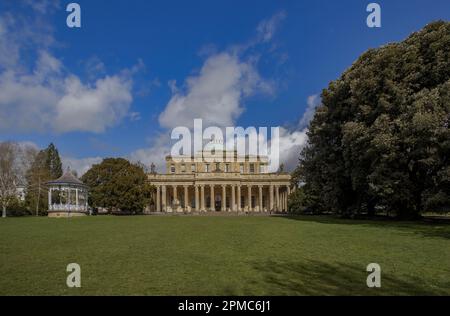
{"x": 45, "y": 167}
{"x": 53, "y": 161}
{"x": 381, "y": 139}
{"x": 118, "y": 185}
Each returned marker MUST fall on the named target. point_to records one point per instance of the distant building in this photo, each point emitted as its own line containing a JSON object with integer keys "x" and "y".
{"x": 20, "y": 192}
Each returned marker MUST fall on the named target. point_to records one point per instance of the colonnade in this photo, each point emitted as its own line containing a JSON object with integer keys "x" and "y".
{"x": 222, "y": 197}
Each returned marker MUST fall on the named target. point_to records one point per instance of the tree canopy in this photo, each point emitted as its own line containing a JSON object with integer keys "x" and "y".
{"x": 381, "y": 138}
{"x": 117, "y": 185}
{"x": 46, "y": 166}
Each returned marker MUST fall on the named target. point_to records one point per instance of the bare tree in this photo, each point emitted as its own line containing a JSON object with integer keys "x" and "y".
{"x": 8, "y": 174}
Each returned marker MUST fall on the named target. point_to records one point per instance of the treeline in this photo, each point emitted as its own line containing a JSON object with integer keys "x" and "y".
{"x": 380, "y": 141}
{"x": 24, "y": 172}
{"x": 116, "y": 186}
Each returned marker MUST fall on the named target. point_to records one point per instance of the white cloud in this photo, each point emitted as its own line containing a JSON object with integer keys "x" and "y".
{"x": 43, "y": 95}
{"x": 215, "y": 94}
{"x": 81, "y": 166}
{"x": 155, "y": 154}
{"x": 291, "y": 144}
{"x": 312, "y": 102}
{"x": 83, "y": 108}
{"x": 42, "y": 6}
{"x": 267, "y": 28}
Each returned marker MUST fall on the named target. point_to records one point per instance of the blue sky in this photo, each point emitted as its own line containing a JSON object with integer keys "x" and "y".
{"x": 139, "y": 66}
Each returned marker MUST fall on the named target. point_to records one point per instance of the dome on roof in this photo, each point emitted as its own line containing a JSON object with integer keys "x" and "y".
{"x": 67, "y": 178}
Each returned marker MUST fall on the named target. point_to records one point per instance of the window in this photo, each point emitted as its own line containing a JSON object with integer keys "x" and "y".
{"x": 241, "y": 168}
{"x": 262, "y": 169}
{"x": 207, "y": 167}
{"x": 172, "y": 168}
{"x": 183, "y": 168}
{"x": 252, "y": 168}
{"x": 217, "y": 166}
{"x": 227, "y": 167}
{"x": 193, "y": 168}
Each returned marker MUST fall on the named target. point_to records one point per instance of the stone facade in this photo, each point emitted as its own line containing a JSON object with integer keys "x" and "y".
{"x": 213, "y": 183}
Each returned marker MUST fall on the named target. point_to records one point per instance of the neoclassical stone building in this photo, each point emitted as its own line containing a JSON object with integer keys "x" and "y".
{"x": 199, "y": 184}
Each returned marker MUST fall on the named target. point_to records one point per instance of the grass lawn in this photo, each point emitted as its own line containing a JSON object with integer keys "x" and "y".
{"x": 151, "y": 255}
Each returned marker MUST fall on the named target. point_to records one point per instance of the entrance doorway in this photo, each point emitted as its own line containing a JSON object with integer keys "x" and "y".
{"x": 218, "y": 203}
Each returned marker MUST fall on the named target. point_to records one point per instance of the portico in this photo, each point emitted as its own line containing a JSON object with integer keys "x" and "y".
{"x": 219, "y": 181}
{"x": 220, "y": 193}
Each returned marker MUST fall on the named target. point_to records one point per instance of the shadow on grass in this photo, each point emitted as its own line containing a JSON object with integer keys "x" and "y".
{"x": 319, "y": 278}
{"x": 424, "y": 228}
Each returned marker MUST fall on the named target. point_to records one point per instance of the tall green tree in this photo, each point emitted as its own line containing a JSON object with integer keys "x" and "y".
{"x": 118, "y": 185}
{"x": 53, "y": 161}
{"x": 380, "y": 140}
{"x": 45, "y": 167}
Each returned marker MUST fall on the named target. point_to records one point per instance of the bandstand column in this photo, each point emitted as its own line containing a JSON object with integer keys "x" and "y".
{"x": 76, "y": 197}
{"x": 86, "y": 196}
{"x": 50, "y": 198}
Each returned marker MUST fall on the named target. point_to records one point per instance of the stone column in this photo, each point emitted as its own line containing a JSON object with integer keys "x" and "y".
{"x": 175, "y": 197}
{"x": 186, "y": 198}
{"x": 239, "y": 198}
{"x": 281, "y": 202}
{"x": 202, "y": 198}
{"x": 212, "y": 199}
{"x": 197, "y": 202}
{"x": 287, "y": 197}
{"x": 260, "y": 198}
{"x": 224, "y": 198}
{"x": 277, "y": 197}
{"x": 249, "y": 189}
{"x": 158, "y": 199}
{"x": 164, "y": 198}
{"x": 76, "y": 197}
{"x": 271, "y": 198}
{"x": 233, "y": 198}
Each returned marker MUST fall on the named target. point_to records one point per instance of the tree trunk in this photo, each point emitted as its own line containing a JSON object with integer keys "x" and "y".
{"x": 39, "y": 195}
{"x": 4, "y": 211}
{"x": 371, "y": 208}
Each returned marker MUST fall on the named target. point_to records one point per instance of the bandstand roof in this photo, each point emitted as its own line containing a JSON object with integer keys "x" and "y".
{"x": 67, "y": 178}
